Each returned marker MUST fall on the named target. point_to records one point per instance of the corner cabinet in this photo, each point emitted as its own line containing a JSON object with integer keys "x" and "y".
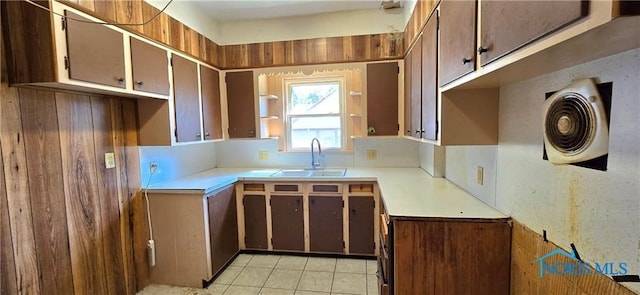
{"x": 382, "y": 98}
{"x": 195, "y": 236}
{"x": 241, "y": 104}
{"x": 420, "y": 255}
{"x": 308, "y": 217}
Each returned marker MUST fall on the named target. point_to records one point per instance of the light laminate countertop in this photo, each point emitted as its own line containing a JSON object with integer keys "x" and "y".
{"x": 407, "y": 192}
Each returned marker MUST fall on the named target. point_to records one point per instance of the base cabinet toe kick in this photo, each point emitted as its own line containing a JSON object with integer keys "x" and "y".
{"x": 443, "y": 255}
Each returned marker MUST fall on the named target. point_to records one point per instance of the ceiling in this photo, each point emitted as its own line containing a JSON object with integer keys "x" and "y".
{"x": 225, "y": 10}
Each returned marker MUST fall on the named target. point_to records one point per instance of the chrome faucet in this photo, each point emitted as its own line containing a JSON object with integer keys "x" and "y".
{"x": 315, "y": 164}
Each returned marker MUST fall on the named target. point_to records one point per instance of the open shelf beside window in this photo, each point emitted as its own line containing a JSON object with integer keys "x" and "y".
{"x": 269, "y": 117}
{"x": 268, "y": 96}
{"x": 355, "y": 93}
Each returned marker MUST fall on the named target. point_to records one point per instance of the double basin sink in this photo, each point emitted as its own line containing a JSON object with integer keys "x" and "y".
{"x": 310, "y": 173}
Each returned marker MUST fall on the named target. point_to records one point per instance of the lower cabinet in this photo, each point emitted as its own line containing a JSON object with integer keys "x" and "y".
{"x": 287, "y": 223}
{"x": 194, "y": 236}
{"x": 325, "y": 224}
{"x": 444, "y": 256}
{"x": 308, "y": 217}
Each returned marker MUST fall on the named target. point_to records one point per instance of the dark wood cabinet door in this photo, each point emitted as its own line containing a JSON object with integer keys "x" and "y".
{"x": 361, "y": 233}
{"x": 382, "y": 98}
{"x": 407, "y": 95}
{"x": 416, "y": 88}
{"x": 241, "y": 105}
{"x": 255, "y": 224}
{"x": 325, "y": 224}
{"x": 186, "y": 99}
{"x": 149, "y": 67}
{"x": 223, "y": 227}
{"x": 508, "y": 25}
{"x": 287, "y": 223}
{"x": 95, "y": 53}
{"x": 430, "y": 78}
{"x": 457, "y": 39}
{"x": 211, "y": 109}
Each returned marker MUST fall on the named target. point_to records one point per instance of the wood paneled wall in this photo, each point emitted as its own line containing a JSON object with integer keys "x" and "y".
{"x": 67, "y": 224}
{"x": 418, "y": 19}
{"x": 527, "y": 246}
{"x": 169, "y": 31}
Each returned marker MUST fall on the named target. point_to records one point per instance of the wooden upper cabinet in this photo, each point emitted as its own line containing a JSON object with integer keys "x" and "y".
{"x": 95, "y": 52}
{"x": 186, "y": 99}
{"x": 241, "y": 104}
{"x": 382, "y": 98}
{"x": 211, "y": 109}
{"x": 407, "y": 95}
{"x": 457, "y": 39}
{"x": 429, "y": 128}
{"x": 149, "y": 67}
{"x": 416, "y": 89}
{"x": 508, "y": 25}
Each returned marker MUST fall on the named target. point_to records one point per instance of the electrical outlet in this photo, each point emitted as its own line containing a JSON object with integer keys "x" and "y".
{"x": 153, "y": 166}
{"x": 372, "y": 154}
{"x": 109, "y": 160}
{"x": 480, "y": 175}
{"x": 263, "y": 155}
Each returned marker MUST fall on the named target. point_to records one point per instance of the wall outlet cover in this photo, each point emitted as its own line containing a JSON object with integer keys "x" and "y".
{"x": 372, "y": 154}
{"x": 480, "y": 175}
{"x": 109, "y": 160}
{"x": 263, "y": 155}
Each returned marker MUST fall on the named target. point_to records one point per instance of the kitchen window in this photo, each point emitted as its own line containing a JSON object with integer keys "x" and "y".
{"x": 314, "y": 108}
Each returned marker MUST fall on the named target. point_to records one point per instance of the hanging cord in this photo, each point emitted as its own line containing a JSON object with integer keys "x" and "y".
{"x": 146, "y": 199}
{"x": 101, "y": 23}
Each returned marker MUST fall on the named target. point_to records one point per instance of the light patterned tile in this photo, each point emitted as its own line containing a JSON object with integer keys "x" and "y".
{"x": 315, "y": 281}
{"x": 271, "y": 291}
{"x": 350, "y": 283}
{"x": 242, "y": 290}
{"x": 292, "y": 262}
{"x": 254, "y": 277}
{"x": 242, "y": 260}
{"x": 283, "y": 279}
{"x": 301, "y": 292}
{"x": 372, "y": 267}
{"x": 215, "y": 289}
{"x": 228, "y": 275}
{"x": 162, "y": 290}
{"x": 264, "y": 261}
{"x": 372, "y": 285}
{"x": 351, "y": 265}
{"x": 321, "y": 264}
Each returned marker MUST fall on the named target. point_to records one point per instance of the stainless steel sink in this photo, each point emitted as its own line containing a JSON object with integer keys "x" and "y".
{"x": 310, "y": 173}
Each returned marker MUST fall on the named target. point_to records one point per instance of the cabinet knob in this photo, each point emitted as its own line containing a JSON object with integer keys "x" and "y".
{"x": 198, "y": 136}
{"x": 252, "y": 133}
{"x": 465, "y": 60}
{"x": 206, "y": 135}
{"x": 121, "y": 80}
{"x": 417, "y": 131}
{"x": 139, "y": 83}
{"x": 482, "y": 50}
{"x": 408, "y": 131}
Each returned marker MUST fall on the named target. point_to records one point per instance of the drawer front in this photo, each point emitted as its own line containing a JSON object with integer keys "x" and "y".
{"x": 253, "y": 187}
{"x": 325, "y": 188}
{"x": 286, "y": 188}
{"x": 361, "y": 188}
{"x": 384, "y": 230}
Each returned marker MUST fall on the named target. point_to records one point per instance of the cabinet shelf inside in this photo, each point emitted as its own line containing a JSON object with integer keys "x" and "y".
{"x": 269, "y": 117}
{"x": 355, "y": 115}
{"x": 355, "y": 93}
{"x": 269, "y": 96}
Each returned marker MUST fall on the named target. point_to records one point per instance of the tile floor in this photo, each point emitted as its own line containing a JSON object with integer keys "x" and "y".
{"x": 281, "y": 275}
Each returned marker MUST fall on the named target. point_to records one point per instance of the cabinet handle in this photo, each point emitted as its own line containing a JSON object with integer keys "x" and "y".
{"x": 409, "y": 132}
{"x": 417, "y": 131}
{"x": 120, "y": 80}
{"x": 140, "y": 83}
{"x": 482, "y": 50}
{"x": 465, "y": 60}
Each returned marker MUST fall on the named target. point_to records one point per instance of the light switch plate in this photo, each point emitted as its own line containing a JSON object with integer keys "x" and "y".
{"x": 372, "y": 154}
{"x": 263, "y": 155}
{"x": 109, "y": 160}
{"x": 480, "y": 175}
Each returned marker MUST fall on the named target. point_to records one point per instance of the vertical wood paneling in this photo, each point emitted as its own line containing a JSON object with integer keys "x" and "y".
{"x": 176, "y": 34}
{"x": 334, "y": 49}
{"x": 194, "y": 40}
{"x": 317, "y": 50}
{"x": 213, "y": 50}
{"x": 300, "y": 52}
{"x": 256, "y": 53}
{"x": 81, "y": 193}
{"x": 157, "y": 29}
{"x": 129, "y": 11}
{"x": 17, "y": 190}
{"x": 7, "y": 266}
{"x": 268, "y": 54}
{"x": 88, "y": 4}
{"x": 108, "y": 193}
{"x": 40, "y": 126}
{"x": 106, "y": 9}
{"x": 202, "y": 48}
{"x": 279, "y": 50}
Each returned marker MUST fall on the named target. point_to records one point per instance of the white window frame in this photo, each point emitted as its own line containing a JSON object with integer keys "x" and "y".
{"x": 288, "y": 82}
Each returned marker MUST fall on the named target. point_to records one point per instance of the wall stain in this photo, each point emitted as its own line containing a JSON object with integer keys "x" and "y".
{"x": 574, "y": 194}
